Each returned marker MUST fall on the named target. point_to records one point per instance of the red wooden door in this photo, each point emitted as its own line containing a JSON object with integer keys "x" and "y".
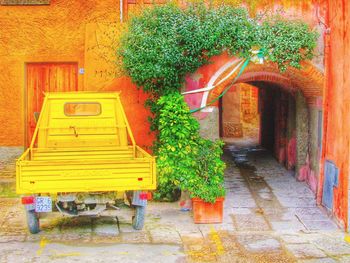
{"x": 45, "y": 77}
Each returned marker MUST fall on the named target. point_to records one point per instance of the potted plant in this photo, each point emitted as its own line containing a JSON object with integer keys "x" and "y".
{"x": 189, "y": 162}
{"x": 207, "y": 187}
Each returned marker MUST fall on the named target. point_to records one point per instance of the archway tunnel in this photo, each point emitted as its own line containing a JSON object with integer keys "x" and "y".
{"x": 281, "y": 112}
{"x": 260, "y": 114}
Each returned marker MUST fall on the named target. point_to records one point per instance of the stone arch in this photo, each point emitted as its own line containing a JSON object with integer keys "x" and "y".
{"x": 309, "y": 79}
{"x": 305, "y": 85}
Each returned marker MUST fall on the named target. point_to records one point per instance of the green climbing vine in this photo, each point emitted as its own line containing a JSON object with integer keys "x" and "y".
{"x": 167, "y": 42}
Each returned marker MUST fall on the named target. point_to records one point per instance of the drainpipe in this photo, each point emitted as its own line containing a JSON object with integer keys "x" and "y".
{"x": 327, "y": 82}
{"x": 121, "y": 11}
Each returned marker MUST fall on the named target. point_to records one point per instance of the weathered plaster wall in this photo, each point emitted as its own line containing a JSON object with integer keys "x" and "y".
{"x": 231, "y": 113}
{"x": 250, "y": 118}
{"x": 86, "y": 32}
{"x": 314, "y": 140}
{"x": 209, "y": 126}
{"x": 302, "y": 133}
{"x": 307, "y": 139}
{"x": 280, "y": 123}
{"x": 336, "y": 140}
{"x": 239, "y": 111}
{"x": 291, "y": 134}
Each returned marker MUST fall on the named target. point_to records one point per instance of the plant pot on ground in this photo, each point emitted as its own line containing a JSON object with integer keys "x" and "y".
{"x": 207, "y": 188}
{"x": 206, "y": 212}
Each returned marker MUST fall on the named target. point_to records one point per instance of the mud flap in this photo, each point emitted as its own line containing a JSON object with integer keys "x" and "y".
{"x": 139, "y": 198}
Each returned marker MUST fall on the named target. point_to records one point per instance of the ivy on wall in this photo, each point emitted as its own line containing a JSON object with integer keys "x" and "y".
{"x": 166, "y": 43}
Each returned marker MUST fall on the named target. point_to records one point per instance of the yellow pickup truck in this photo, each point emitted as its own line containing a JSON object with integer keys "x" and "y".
{"x": 82, "y": 153}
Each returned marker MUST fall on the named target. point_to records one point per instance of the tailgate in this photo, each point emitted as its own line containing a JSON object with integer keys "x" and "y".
{"x": 53, "y": 176}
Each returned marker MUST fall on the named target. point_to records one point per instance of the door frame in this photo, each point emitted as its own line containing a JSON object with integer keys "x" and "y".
{"x": 25, "y": 92}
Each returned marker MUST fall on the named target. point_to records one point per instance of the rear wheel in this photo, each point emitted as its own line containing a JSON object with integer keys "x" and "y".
{"x": 139, "y": 219}
{"x": 33, "y": 222}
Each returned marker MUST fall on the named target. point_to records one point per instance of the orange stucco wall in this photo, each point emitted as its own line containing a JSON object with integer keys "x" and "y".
{"x": 86, "y": 32}
{"x": 336, "y": 144}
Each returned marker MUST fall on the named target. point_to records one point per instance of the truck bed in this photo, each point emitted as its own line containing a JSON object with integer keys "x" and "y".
{"x": 85, "y": 154}
{"x": 83, "y": 143}
{"x": 85, "y": 170}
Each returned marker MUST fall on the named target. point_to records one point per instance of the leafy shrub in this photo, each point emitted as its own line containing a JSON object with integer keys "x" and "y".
{"x": 209, "y": 181}
{"x": 185, "y": 159}
{"x": 178, "y": 133}
{"x": 286, "y": 42}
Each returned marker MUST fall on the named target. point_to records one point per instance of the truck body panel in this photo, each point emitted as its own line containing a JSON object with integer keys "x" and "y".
{"x": 83, "y": 143}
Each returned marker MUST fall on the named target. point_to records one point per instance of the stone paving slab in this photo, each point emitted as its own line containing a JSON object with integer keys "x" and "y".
{"x": 311, "y": 214}
{"x": 319, "y": 260}
{"x": 279, "y": 214}
{"x": 259, "y": 243}
{"x": 250, "y": 223}
{"x": 165, "y": 236}
{"x": 343, "y": 258}
{"x": 293, "y": 238}
{"x": 8, "y": 156}
{"x": 136, "y": 237}
{"x": 320, "y": 225}
{"x": 332, "y": 246}
{"x": 12, "y": 238}
{"x": 296, "y": 202}
{"x": 280, "y": 190}
{"x": 294, "y": 225}
{"x": 305, "y": 251}
{"x": 242, "y": 201}
{"x": 240, "y": 211}
{"x": 111, "y": 253}
{"x": 106, "y": 230}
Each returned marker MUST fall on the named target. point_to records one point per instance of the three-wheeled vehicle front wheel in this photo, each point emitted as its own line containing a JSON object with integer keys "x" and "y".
{"x": 138, "y": 219}
{"x": 33, "y": 222}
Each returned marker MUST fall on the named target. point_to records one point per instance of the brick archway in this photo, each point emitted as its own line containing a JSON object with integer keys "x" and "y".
{"x": 309, "y": 79}
{"x": 305, "y": 86}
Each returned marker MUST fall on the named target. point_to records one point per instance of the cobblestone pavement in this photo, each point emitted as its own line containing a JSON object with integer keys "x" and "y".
{"x": 8, "y": 156}
{"x": 268, "y": 217}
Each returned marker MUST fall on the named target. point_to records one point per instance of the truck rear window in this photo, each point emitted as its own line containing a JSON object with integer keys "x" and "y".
{"x": 82, "y": 108}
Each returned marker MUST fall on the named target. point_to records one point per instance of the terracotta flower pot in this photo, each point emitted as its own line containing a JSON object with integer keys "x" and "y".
{"x": 207, "y": 213}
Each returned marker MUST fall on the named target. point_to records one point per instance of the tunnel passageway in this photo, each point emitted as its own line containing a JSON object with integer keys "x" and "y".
{"x": 265, "y": 196}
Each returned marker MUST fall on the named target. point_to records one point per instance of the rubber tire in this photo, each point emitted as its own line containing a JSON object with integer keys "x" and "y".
{"x": 33, "y": 222}
{"x": 139, "y": 219}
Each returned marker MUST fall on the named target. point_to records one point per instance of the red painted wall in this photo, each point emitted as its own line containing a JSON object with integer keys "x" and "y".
{"x": 336, "y": 141}
{"x": 133, "y": 100}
